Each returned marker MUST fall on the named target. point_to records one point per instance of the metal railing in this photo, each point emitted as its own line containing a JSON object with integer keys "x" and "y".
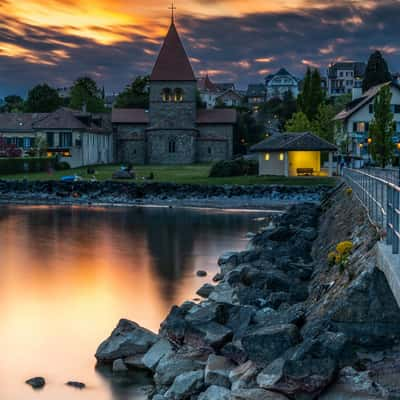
{"x": 381, "y": 197}
{"x": 388, "y": 174}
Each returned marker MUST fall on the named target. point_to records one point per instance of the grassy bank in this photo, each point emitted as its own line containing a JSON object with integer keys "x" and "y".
{"x": 197, "y": 174}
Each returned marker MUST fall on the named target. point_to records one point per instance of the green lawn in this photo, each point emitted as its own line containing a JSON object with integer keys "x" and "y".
{"x": 197, "y": 173}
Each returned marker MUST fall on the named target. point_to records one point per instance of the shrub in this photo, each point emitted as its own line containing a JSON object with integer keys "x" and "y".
{"x": 349, "y": 191}
{"x": 61, "y": 166}
{"x": 26, "y": 164}
{"x": 238, "y": 167}
{"x": 340, "y": 256}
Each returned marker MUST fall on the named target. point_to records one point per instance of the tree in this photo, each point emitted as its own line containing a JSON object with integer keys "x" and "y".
{"x": 135, "y": 95}
{"x": 382, "y": 128}
{"x": 324, "y": 125}
{"x": 247, "y": 132}
{"x": 312, "y": 94}
{"x": 13, "y": 103}
{"x": 42, "y": 99}
{"x": 377, "y": 71}
{"x": 298, "y": 123}
{"x": 86, "y": 94}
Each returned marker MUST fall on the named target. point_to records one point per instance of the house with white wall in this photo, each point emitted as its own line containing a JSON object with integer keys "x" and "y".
{"x": 352, "y": 133}
{"x": 279, "y": 84}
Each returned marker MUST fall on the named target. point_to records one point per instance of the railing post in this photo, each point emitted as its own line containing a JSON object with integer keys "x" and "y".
{"x": 389, "y": 215}
{"x": 396, "y": 218}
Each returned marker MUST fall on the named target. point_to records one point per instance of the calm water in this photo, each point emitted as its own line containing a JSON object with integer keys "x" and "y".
{"x": 69, "y": 274}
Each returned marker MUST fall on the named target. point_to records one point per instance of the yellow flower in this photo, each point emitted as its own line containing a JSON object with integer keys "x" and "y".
{"x": 344, "y": 248}
{"x": 349, "y": 191}
{"x": 332, "y": 258}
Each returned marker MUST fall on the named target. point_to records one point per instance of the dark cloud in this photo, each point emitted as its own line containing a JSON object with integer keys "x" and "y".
{"x": 226, "y": 45}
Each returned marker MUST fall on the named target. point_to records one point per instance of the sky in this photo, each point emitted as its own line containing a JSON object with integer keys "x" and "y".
{"x": 56, "y": 41}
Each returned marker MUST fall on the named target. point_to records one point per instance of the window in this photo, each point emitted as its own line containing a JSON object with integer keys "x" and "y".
{"x": 166, "y": 95}
{"x": 50, "y": 139}
{"x": 178, "y": 95}
{"x": 27, "y": 144}
{"x": 371, "y": 108}
{"x": 396, "y": 108}
{"x": 281, "y": 156}
{"x": 398, "y": 127}
{"x": 359, "y": 127}
{"x": 266, "y": 156}
{"x": 66, "y": 139}
{"x": 172, "y": 146}
{"x": 209, "y": 150}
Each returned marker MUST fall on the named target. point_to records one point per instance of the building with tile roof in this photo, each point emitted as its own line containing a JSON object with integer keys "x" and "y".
{"x": 354, "y": 120}
{"x": 280, "y": 83}
{"x": 173, "y": 130}
{"x": 78, "y": 138}
{"x": 293, "y": 154}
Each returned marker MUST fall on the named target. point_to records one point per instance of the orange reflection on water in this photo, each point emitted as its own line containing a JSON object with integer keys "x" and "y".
{"x": 69, "y": 274}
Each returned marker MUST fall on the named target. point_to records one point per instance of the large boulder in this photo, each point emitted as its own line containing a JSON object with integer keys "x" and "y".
{"x": 127, "y": 339}
{"x": 267, "y": 343}
{"x": 185, "y": 385}
{"x": 244, "y": 376}
{"x": 156, "y": 353}
{"x": 173, "y": 365}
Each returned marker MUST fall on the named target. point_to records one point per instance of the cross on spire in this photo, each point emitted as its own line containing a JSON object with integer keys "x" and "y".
{"x": 172, "y": 8}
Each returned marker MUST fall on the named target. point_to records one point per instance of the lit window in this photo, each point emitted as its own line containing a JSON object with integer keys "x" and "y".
{"x": 166, "y": 95}
{"x": 266, "y": 156}
{"x": 281, "y": 156}
{"x": 178, "y": 96}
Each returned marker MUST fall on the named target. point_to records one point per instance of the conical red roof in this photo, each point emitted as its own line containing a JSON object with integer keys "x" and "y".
{"x": 172, "y": 63}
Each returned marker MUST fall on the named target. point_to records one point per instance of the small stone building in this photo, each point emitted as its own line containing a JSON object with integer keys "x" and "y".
{"x": 293, "y": 154}
{"x": 173, "y": 130}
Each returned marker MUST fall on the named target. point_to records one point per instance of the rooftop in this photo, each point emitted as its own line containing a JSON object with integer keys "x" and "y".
{"x": 293, "y": 141}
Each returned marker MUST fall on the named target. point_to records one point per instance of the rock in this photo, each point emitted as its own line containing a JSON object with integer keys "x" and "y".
{"x": 354, "y": 385}
{"x": 215, "y": 393}
{"x": 218, "y": 277}
{"x": 271, "y": 374}
{"x": 127, "y": 339}
{"x": 205, "y": 290}
{"x": 265, "y": 315}
{"x": 135, "y": 362}
{"x": 256, "y": 394}
{"x": 244, "y": 376}
{"x": 185, "y": 385}
{"x": 238, "y": 318}
{"x": 217, "y": 371}
{"x": 36, "y": 383}
{"x": 267, "y": 343}
{"x": 174, "y": 326}
{"x": 77, "y": 385}
{"x": 209, "y": 334}
{"x": 201, "y": 273}
{"x": 123, "y": 175}
{"x": 228, "y": 257}
{"x": 173, "y": 365}
{"x": 223, "y": 293}
{"x": 119, "y": 366}
{"x": 235, "y": 352}
{"x": 156, "y": 353}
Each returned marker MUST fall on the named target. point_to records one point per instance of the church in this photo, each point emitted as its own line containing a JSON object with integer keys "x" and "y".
{"x": 173, "y": 130}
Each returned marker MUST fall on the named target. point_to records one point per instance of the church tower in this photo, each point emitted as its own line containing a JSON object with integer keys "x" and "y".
{"x": 171, "y": 135}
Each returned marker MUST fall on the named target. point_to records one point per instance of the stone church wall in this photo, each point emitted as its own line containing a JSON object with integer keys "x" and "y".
{"x": 131, "y": 146}
{"x": 215, "y": 143}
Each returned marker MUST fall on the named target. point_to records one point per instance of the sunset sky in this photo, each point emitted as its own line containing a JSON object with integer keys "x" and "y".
{"x": 55, "y": 41}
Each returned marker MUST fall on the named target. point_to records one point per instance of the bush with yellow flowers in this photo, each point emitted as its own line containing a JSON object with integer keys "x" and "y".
{"x": 341, "y": 255}
{"x": 349, "y": 191}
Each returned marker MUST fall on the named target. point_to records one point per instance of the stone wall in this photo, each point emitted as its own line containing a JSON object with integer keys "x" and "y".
{"x": 131, "y": 146}
{"x": 171, "y": 146}
{"x": 215, "y": 142}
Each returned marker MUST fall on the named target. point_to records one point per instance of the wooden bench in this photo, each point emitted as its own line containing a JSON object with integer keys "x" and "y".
{"x": 305, "y": 171}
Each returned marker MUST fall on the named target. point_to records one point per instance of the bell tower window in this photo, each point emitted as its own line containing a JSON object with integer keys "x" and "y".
{"x": 166, "y": 95}
{"x": 178, "y": 95}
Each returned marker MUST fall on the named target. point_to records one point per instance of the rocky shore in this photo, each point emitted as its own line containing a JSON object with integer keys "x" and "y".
{"x": 123, "y": 193}
{"x": 282, "y": 320}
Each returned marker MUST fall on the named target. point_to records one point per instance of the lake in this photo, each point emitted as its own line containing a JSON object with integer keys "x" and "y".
{"x": 68, "y": 274}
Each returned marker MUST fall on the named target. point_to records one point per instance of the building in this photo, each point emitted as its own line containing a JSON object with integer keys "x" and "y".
{"x": 173, "y": 130}
{"x": 293, "y": 154}
{"x": 342, "y": 77}
{"x": 354, "y": 121}
{"x": 64, "y": 92}
{"x": 279, "y": 84}
{"x": 218, "y": 94}
{"x": 76, "y": 137}
{"x": 256, "y": 95}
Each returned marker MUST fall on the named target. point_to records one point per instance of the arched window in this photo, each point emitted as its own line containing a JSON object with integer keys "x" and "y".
{"x": 172, "y": 146}
{"x": 166, "y": 95}
{"x": 178, "y": 95}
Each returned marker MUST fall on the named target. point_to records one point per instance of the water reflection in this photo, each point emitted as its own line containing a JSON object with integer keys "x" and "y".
{"x": 69, "y": 274}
